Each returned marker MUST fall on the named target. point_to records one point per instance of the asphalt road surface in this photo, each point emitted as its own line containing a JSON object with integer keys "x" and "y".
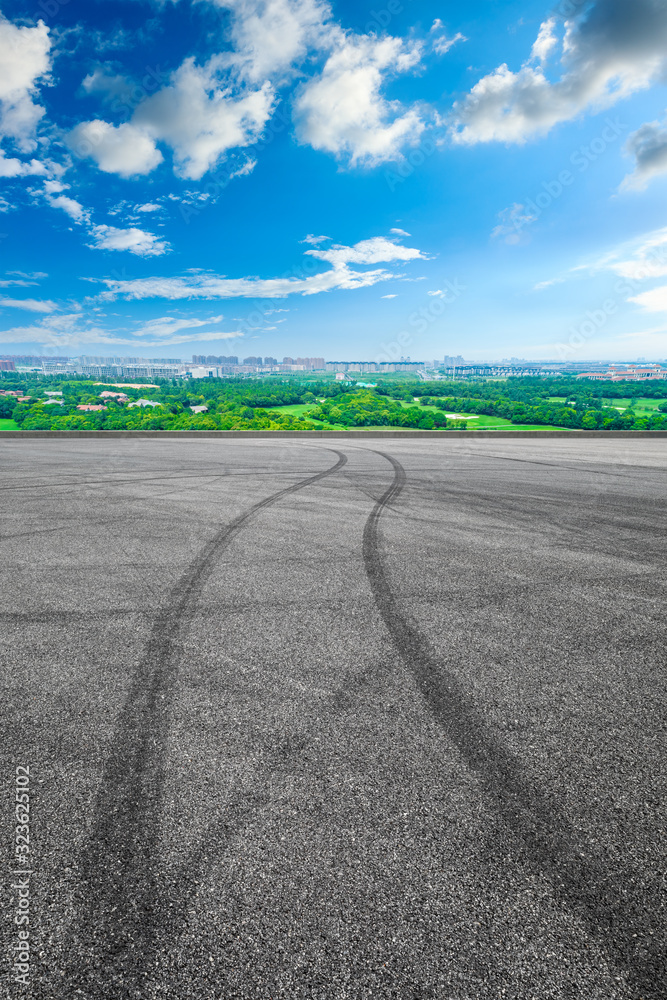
{"x": 332, "y": 719}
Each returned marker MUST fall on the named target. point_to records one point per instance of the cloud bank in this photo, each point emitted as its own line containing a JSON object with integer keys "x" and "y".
{"x": 612, "y": 49}
{"x": 340, "y": 275}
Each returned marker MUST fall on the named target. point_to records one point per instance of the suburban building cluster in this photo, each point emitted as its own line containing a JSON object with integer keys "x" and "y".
{"x": 94, "y": 367}
{"x": 628, "y": 373}
{"x": 55, "y": 398}
{"x": 268, "y": 364}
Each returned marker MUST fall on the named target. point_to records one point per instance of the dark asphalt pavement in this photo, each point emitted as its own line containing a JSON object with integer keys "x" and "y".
{"x": 337, "y": 719}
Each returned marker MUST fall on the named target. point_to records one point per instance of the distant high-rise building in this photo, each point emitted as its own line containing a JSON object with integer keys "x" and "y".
{"x": 252, "y": 361}
{"x": 86, "y": 359}
{"x": 374, "y": 366}
{"x": 35, "y": 360}
{"x": 310, "y": 364}
{"x": 212, "y": 359}
{"x": 270, "y": 361}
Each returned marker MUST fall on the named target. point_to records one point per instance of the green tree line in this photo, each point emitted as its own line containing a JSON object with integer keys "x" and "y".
{"x": 258, "y": 404}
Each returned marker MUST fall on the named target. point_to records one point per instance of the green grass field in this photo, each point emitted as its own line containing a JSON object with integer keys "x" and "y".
{"x": 481, "y": 422}
{"x": 302, "y": 410}
{"x": 484, "y": 423}
{"x": 296, "y": 409}
{"x": 642, "y": 405}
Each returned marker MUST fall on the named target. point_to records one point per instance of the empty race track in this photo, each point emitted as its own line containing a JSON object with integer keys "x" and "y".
{"x": 332, "y": 719}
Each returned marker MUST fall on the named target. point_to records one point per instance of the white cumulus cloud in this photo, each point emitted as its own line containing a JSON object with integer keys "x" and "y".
{"x": 124, "y": 149}
{"x": 340, "y": 275}
{"x": 374, "y": 251}
{"x": 24, "y": 60}
{"x": 134, "y": 240}
{"x": 11, "y": 166}
{"x": 201, "y": 118}
{"x": 342, "y": 110}
{"x": 653, "y": 301}
{"x": 52, "y": 191}
{"x": 545, "y": 41}
{"x": 198, "y": 114}
{"x": 272, "y": 36}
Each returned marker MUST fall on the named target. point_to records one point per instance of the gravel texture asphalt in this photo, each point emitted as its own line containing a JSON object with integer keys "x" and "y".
{"x": 320, "y": 720}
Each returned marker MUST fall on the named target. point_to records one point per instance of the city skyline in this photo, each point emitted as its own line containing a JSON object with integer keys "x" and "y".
{"x": 231, "y": 364}
{"x": 229, "y": 176}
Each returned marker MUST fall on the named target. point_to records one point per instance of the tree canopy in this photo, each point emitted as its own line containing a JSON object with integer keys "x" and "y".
{"x": 266, "y": 404}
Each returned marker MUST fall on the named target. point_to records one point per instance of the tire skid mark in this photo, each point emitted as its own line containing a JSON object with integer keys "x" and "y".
{"x": 28, "y": 534}
{"x": 24, "y": 619}
{"x": 572, "y": 468}
{"x": 246, "y": 806}
{"x": 545, "y": 838}
{"x": 139, "y": 480}
{"x": 597, "y": 539}
{"x": 114, "y": 926}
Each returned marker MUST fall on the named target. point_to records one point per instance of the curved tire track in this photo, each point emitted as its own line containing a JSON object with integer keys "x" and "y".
{"x": 114, "y": 925}
{"x": 544, "y": 838}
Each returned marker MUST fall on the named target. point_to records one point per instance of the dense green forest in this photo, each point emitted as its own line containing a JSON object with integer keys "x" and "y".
{"x": 52, "y": 403}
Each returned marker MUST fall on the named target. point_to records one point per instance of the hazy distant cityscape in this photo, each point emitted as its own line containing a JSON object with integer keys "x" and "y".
{"x": 219, "y": 366}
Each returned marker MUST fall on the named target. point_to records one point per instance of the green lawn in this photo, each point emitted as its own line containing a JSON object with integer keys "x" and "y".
{"x": 480, "y": 422}
{"x": 296, "y": 409}
{"x": 642, "y": 405}
{"x": 8, "y": 425}
{"x": 302, "y": 410}
{"x": 485, "y": 423}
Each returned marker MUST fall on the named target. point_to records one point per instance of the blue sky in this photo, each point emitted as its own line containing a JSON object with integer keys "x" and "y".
{"x": 347, "y": 180}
